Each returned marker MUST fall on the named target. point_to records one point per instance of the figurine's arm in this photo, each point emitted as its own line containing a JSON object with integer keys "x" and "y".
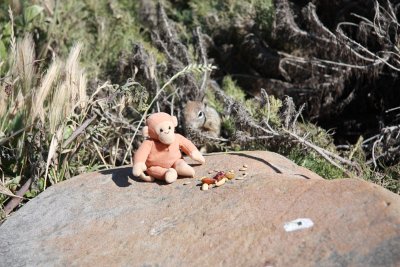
{"x": 190, "y": 149}
{"x": 140, "y": 157}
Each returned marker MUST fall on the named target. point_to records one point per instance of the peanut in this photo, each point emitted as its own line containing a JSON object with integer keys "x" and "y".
{"x": 204, "y": 187}
{"x": 220, "y": 182}
{"x": 207, "y": 180}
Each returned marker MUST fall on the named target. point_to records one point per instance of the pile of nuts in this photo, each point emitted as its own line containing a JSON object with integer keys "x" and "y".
{"x": 220, "y": 178}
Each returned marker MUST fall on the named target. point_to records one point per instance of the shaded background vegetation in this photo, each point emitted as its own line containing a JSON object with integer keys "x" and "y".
{"x": 77, "y": 77}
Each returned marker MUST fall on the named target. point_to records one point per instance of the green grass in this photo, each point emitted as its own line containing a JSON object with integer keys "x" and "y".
{"x": 105, "y": 28}
{"x": 316, "y": 163}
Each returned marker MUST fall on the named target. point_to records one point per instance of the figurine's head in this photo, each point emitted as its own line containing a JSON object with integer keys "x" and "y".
{"x": 161, "y": 127}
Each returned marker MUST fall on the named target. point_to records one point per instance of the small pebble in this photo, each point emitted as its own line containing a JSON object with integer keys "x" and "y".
{"x": 243, "y": 176}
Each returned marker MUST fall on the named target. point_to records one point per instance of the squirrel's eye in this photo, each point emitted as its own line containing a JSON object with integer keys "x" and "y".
{"x": 161, "y": 130}
{"x": 200, "y": 114}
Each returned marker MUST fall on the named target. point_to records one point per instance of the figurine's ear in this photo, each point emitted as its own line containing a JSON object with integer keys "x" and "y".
{"x": 174, "y": 121}
{"x": 145, "y": 131}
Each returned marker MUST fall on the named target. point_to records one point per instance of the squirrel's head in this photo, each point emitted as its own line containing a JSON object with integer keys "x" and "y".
{"x": 194, "y": 114}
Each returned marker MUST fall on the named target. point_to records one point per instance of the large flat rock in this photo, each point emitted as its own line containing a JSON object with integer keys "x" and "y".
{"x": 109, "y": 219}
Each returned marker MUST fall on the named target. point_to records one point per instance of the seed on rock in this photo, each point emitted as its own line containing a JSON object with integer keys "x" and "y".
{"x": 220, "y": 182}
{"x": 204, "y": 187}
{"x": 245, "y": 166}
{"x": 219, "y": 176}
{"x": 243, "y": 169}
{"x": 207, "y": 180}
{"x": 210, "y": 171}
{"x": 186, "y": 183}
{"x": 244, "y": 174}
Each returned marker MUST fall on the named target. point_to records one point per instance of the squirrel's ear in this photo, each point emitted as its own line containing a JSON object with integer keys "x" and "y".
{"x": 204, "y": 101}
{"x": 145, "y": 131}
{"x": 174, "y": 121}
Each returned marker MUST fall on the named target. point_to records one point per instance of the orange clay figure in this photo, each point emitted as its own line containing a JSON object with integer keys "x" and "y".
{"x": 160, "y": 156}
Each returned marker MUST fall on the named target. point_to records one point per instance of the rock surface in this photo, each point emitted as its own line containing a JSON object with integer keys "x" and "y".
{"x": 110, "y": 219}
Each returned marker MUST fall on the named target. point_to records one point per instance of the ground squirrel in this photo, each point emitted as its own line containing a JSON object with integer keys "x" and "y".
{"x": 199, "y": 115}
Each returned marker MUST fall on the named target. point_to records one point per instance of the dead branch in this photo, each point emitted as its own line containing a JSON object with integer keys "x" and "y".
{"x": 14, "y": 202}
{"x": 78, "y": 131}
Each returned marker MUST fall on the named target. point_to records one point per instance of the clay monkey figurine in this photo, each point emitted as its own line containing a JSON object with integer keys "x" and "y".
{"x": 160, "y": 156}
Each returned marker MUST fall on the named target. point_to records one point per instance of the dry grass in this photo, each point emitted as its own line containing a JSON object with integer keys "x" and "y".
{"x": 58, "y": 107}
{"x": 72, "y": 72}
{"x": 35, "y": 115}
{"x": 3, "y": 101}
{"x": 70, "y": 93}
{"x": 24, "y": 65}
{"x": 44, "y": 90}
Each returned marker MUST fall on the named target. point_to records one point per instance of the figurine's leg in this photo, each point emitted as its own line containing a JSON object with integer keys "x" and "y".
{"x": 171, "y": 175}
{"x": 146, "y": 178}
{"x": 156, "y": 172}
{"x": 183, "y": 169}
{"x": 160, "y": 173}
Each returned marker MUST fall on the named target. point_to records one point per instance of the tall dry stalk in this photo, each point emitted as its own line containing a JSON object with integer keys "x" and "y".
{"x": 72, "y": 70}
{"x": 70, "y": 93}
{"x": 58, "y": 107}
{"x": 3, "y": 101}
{"x": 40, "y": 96}
{"x": 75, "y": 78}
{"x": 82, "y": 94}
{"x": 12, "y": 37}
{"x": 24, "y": 67}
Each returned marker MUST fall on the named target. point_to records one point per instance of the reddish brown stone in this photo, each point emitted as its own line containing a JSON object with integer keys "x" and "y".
{"x": 109, "y": 219}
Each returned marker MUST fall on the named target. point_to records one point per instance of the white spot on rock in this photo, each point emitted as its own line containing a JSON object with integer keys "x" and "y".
{"x": 298, "y": 224}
